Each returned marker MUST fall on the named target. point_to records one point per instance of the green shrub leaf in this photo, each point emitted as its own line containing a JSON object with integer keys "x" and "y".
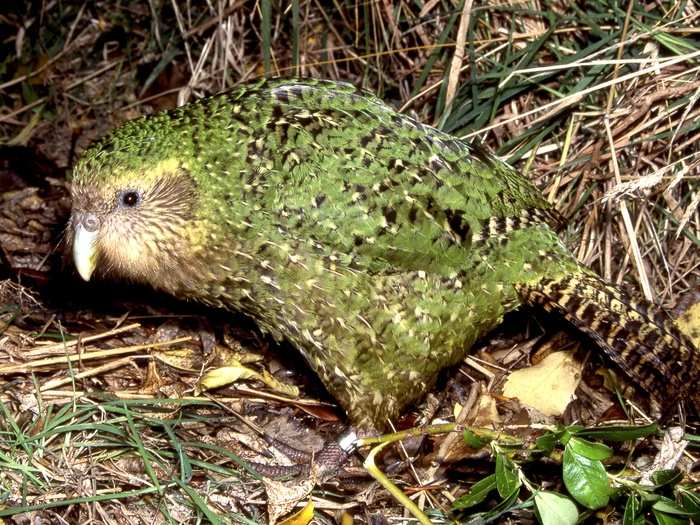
{"x": 585, "y": 479}
{"x": 590, "y": 449}
{"x": 555, "y": 509}
{"x": 477, "y": 494}
{"x": 507, "y": 480}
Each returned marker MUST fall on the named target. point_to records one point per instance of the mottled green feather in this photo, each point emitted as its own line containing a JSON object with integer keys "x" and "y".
{"x": 380, "y": 247}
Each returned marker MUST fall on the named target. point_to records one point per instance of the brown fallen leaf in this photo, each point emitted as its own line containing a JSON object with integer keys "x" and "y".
{"x": 185, "y": 359}
{"x": 282, "y": 496}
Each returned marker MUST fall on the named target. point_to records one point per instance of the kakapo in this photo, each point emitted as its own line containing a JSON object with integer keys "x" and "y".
{"x": 380, "y": 247}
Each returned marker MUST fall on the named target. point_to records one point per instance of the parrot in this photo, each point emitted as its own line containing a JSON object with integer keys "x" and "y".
{"x": 381, "y": 248}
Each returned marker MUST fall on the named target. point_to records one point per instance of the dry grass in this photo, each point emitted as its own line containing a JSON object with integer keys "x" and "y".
{"x": 598, "y": 107}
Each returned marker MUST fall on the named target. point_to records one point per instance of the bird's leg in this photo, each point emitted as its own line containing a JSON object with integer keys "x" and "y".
{"x": 331, "y": 458}
{"x": 294, "y": 454}
{"x": 325, "y": 464}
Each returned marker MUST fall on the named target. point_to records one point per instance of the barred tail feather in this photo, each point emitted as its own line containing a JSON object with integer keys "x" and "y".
{"x": 647, "y": 346}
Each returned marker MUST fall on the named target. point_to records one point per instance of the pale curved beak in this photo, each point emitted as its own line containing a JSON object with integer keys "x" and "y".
{"x": 84, "y": 251}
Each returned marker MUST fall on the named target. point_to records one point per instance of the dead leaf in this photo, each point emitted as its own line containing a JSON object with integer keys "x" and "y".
{"x": 282, "y": 496}
{"x": 279, "y": 387}
{"x": 669, "y": 455}
{"x": 485, "y": 413}
{"x": 153, "y": 382}
{"x": 186, "y": 359}
{"x": 225, "y": 356}
{"x": 320, "y": 411}
{"x": 548, "y": 386}
{"x": 226, "y": 375}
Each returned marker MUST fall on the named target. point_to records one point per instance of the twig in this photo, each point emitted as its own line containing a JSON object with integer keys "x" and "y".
{"x": 627, "y": 220}
{"x": 458, "y": 56}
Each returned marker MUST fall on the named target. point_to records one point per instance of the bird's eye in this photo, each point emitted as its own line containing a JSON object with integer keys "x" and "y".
{"x": 130, "y": 198}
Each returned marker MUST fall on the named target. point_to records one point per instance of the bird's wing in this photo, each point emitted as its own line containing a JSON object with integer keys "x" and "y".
{"x": 359, "y": 178}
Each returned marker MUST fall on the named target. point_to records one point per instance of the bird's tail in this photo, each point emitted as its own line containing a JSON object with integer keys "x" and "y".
{"x": 635, "y": 334}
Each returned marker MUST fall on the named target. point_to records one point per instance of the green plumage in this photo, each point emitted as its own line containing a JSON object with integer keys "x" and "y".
{"x": 381, "y": 248}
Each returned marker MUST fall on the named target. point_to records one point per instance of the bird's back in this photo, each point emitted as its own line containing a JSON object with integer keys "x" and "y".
{"x": 388, "y": 248}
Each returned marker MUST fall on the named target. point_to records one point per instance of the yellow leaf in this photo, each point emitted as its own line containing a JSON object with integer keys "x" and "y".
{"x": 282, "y": 388}
{"x": 225, "y": 375}
{"x": 303, "y": 517}
{"x": 689, "y": 323}
{"x": 548, "y": 386}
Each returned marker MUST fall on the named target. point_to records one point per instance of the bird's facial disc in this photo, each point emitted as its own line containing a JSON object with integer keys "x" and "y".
{"x": 86, "y": 227}
{"x": 106, "y": 228}
{"x": 134, "y": 224}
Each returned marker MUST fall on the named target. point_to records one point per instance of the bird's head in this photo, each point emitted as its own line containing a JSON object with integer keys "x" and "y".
{"x": 133, "y": 207}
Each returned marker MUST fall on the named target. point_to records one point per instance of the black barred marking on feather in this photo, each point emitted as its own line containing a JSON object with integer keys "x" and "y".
{"x": 648, "y": 348}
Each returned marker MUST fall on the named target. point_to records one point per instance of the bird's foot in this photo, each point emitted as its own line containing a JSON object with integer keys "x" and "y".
{"x": 323, "y": 465}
